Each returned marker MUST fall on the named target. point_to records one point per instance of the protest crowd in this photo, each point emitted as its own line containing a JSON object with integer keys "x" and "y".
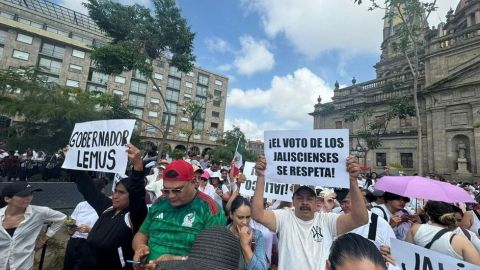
{"x": 16, "y": 166}
{"x": 192, "y": 214}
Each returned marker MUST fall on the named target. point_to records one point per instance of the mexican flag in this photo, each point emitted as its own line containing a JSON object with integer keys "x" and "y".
{"x": 237, "y": 158}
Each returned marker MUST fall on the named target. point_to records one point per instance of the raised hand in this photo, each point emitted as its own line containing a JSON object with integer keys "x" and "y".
{"x": 261, "y": 166}
{"x": 352, "y": 168}
{"x": 245, "y": 234}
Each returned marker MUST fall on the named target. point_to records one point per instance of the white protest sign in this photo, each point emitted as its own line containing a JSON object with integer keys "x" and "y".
{"x": 409, "y": 256}
{"x": 274, "y": 191}
{"x": 313, "y": 157}
{"x": 99, "y": 146}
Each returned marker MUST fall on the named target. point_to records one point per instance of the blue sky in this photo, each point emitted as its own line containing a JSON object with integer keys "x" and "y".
{"x": 280, "y": 55}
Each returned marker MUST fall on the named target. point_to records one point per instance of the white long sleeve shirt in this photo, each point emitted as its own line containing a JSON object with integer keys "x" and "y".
{"x": 18, "y": 250}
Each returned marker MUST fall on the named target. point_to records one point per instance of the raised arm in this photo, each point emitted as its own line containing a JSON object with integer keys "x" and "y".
{"x": 99, "y": 201}
{"x": 265, "y": 217}
{"x": 359, "y": 214}
{"x": 240, "y": 180}
{"x": 138, "y": 206}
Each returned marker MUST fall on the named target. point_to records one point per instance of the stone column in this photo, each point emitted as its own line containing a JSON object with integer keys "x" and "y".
{"x": 439, "y": 147}
{"x": 475, "y": 144}
{"x": 430, "y": 142}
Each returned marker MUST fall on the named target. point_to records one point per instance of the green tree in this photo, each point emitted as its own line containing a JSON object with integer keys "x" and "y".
{"x": 227, "y": 145}
{"x": 413, "y": 15}
{"x": 46, "y": 112}
{"x": 195, "y": 112}
{"x": 139, "y": 37}
{"x": 373, "y": 129}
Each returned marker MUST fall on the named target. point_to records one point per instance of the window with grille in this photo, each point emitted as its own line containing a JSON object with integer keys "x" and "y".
{"x": 53, "y": 50}
{"x": 50, "y": 66}
{"x": 381, "y": 159}
{"x": 203, "y": 79}
{"x": 173, "y": 83}
{"x": 138, "y": 87}
{"x": 136, "y": 100}
{"x": 406, "y": 159}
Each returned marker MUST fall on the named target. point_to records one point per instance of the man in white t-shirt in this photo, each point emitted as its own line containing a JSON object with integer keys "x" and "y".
{"x": 305, "y": 236}
{"x": 378, "y": 230}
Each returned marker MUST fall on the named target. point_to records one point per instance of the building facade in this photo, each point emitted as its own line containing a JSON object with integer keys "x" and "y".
{"x": 449, "y": 99}
{"x": 57, "y": 39}
{"x": 255, "y": 146}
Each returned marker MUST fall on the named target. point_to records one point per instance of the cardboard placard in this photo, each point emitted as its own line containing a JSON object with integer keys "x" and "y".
{"x": 99, "y": 146}
{"x": 410, "y": 256}
{"x": 273, "y": 191}
{"x": 314, "y": 157}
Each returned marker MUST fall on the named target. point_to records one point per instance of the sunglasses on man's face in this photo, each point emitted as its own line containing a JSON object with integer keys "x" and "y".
{"x": 172, "y": 190}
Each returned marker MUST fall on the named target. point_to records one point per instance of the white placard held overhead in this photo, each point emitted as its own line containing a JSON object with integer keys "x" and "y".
{"x": 273, "y": 191}
{"x": 410, "y": 256}
{"x": 99, "y": 146}
{"x": 311, "y": 157}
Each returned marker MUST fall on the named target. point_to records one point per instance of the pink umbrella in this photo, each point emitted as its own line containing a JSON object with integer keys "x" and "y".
{"x": 423, "y": 188}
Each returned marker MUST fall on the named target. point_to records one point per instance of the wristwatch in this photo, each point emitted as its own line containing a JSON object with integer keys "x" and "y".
{"x": 184, "y": 258}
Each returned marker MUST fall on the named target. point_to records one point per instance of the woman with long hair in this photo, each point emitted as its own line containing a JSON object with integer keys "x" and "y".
{"x": 251, "y": 240}
{"x": 438, "y": 235}
{"x": 109, "y": 243}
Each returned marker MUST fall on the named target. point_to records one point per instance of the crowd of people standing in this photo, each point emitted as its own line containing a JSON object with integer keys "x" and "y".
{"x": 189, "y": 214}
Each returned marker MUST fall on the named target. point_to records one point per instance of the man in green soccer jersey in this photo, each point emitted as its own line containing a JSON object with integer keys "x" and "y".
{"x": 175, "y": 219}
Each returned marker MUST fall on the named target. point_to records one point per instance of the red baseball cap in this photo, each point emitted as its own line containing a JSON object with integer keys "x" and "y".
{"x": 178, "y": 170}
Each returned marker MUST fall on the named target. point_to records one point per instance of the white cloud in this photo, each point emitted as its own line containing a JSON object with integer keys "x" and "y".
{"x": 224, "y": 67}
{"x": 254, "y": 56}
{"x": 317, "y": 26}
{"x": 255, "y": 131}
{"x": 288, "y": 100}
{"x": 216, "y": 44}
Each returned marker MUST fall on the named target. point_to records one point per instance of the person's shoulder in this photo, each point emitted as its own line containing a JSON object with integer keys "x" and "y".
{"x": 206, "y": 200}
{"x": 258, "y": 234}
{"x": 39, "y": 209}
{"x": 160, "y": 202}
{"x": 83, "y": 204}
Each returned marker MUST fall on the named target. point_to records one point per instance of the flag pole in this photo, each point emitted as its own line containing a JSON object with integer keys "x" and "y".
{"x": 236, "y": 148}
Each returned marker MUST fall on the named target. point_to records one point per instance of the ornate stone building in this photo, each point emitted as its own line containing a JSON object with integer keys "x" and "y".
{"x": 449, "y": 99}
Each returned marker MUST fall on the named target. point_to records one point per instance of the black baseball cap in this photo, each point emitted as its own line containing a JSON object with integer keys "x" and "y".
{"x": 20, "y": 189}
{"x": 310, "y": 189}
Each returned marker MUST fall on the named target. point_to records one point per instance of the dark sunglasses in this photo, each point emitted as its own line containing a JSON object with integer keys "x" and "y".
{"x": 172, "y": 190}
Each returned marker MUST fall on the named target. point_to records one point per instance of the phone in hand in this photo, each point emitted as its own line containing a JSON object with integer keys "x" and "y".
{"x": 134, "y": 262}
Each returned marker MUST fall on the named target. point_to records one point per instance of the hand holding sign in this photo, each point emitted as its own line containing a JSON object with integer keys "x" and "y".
{"x": 352, "y": 168}
{"x": 135, "y": 157}
{"x": 261, "y": 166}
{"x": 387, "y": 255}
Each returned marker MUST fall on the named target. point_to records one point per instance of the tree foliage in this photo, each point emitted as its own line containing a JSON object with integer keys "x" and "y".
{"x": 373, "y": 129}
{"x": 139, "y": 38}
{"x": 195, "y": 112}
{"x": 413, "y": 16}
{"x": 47, "y": 113}
{"x": 227, "y": 145}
